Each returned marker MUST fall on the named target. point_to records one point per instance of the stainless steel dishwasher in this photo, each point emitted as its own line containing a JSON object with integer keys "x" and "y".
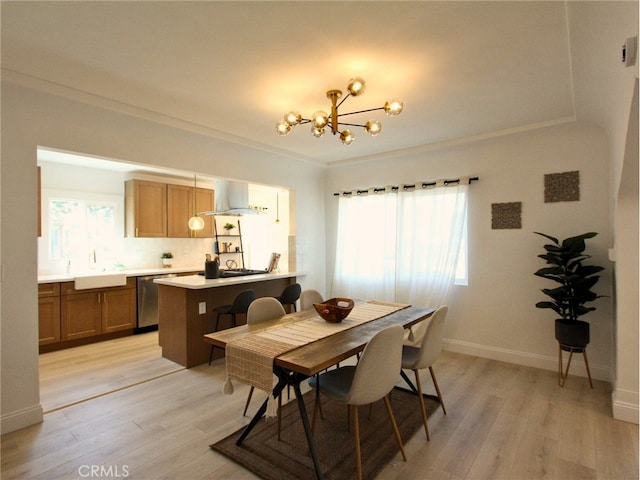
{"x": 148, "y": 303}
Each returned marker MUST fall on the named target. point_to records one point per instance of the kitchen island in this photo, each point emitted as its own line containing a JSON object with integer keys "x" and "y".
{"x": 187, "y": 310}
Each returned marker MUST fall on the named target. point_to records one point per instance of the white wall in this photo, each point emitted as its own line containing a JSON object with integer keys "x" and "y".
{"x": 495, "y": 315}
{"x": 32, "y": 118}
{"x": 604, "y": 91}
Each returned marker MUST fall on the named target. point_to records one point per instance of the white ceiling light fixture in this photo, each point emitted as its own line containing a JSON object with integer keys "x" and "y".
{"x": 196, "y": 222}
{"x": 320, "y": 119}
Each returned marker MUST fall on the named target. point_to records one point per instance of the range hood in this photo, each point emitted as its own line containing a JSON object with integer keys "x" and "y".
{"x": 232, "y": 198}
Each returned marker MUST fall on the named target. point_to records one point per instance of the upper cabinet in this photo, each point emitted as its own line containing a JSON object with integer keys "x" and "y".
{"x": 163, "y": 210}
{"x": 145, "y": 208}
{"x": 205, "y": 202}
{"x": 181, "y": 207}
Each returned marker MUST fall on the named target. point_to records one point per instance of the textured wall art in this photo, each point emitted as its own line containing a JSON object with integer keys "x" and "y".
{"x": 562, "y": 187}
{"x": 506, "y": 215}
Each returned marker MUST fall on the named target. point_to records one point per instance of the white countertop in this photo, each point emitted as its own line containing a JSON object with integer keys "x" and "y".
{"x": 197, "y": 282}
{"x": 129, "y": 273}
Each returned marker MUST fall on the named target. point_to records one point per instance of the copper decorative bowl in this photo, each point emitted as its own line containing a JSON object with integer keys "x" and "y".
{"x": 334, "y": 310}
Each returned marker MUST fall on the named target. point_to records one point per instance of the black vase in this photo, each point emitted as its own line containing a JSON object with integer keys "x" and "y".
{"x": 211, "y": 269}
{"x": 572, "y": 335}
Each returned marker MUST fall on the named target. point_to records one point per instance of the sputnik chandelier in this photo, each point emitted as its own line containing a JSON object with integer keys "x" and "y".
{"x": 320, "y": 119}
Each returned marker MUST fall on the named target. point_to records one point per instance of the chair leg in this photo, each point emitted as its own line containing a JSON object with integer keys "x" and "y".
{"x": 435, "y": 384}
{"x": 279, "y": 414}
{"x": 423, "y": 411}
{"x": 356, "y": 432}
{"x": 217, "y": 322}
{"x": 395, "y": 426}
{"x": 248, "y": 400}
{"x": 210, "y": 355}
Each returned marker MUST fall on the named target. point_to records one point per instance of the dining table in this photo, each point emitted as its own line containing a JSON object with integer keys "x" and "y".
{"x": 312, "y": 354}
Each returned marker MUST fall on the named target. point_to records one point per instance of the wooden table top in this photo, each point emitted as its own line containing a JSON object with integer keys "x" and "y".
{"x": 316, "y": 356}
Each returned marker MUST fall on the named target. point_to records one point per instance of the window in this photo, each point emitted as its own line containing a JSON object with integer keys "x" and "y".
{"x": 81, "y": 228}
{"x": 404, "y": 247}
{"x": 77, "y": 226}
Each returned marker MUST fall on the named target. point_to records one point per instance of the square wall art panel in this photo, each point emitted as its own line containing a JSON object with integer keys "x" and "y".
{"x": 562, "y": 187}
{"x": 506, "y": 215}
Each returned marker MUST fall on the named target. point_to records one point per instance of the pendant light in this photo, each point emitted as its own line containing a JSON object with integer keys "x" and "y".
{"x": 196, "y": 222}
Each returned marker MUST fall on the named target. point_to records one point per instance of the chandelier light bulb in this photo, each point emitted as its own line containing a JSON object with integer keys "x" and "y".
{"x": 346, "y": 137}
{"x": 317, "y": 132}
{"x": 283, "y": 128}
{"x": 373, "y": 127}
{"x": 356, "y": 86}
{"x": 319, "y": 119}
{"x": 293, "y": 118}
{"x": 393, "y": 107}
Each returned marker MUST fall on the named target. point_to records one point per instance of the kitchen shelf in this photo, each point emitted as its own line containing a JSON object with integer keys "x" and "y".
{"x": 232, "y": 252}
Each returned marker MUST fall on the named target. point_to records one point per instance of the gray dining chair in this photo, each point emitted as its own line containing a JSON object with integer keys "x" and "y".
{"x": 262, "y": 310}
{"x": 424, "y": 356}
{"x": 308, "y": 298}
{"x": 369, "y": 381}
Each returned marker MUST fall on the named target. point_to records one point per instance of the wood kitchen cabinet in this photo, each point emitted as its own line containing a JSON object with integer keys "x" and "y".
{"x": 48, "y": 313}
{"x": 205, "y": 202}
{"x": 145, "y": 208}
{"x": 180, "y": 208}
{"x": 163, "y": 210}
{"x": 87, "y": 313}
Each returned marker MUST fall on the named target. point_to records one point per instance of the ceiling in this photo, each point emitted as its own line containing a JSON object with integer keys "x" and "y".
{"x": 232, "y": 69}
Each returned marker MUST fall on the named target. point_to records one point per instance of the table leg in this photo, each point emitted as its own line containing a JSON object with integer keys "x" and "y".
{"x": 406, "y": 379}
{"x": 277, "y": 391}
{"x": 305, "y": 424}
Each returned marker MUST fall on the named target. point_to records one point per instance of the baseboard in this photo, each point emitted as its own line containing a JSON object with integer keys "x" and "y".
{"x": 21, "y": 418}
{"x": 625, "y": 405}
{"x": 544, "y": 362}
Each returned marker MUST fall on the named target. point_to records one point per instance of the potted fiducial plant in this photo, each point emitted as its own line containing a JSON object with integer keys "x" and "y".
{"x": 576, "y": 280}
{"x": 228, "y": 227}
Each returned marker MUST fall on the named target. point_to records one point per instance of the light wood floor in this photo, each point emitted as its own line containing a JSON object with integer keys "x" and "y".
{"x": 76, "y": 374}
{"x": 504, "y": 422}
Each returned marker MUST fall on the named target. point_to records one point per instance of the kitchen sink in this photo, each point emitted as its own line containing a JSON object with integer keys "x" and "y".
{"x": 83, "y": 282}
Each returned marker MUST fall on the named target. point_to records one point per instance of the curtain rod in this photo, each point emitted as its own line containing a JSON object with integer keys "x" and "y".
{"x": 406, "y": 188}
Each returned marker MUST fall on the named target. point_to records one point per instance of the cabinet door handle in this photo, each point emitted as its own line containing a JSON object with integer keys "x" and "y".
{"x": 99, "y": 298}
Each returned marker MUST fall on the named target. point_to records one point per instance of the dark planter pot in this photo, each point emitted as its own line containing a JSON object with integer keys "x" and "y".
{"x": 572, "y": 335}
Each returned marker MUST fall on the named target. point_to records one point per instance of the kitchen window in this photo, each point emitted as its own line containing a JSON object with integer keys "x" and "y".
{"x": 80, "y": 229}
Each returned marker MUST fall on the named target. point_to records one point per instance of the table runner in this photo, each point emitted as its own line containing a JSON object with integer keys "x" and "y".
{"x": 250, "y": 359}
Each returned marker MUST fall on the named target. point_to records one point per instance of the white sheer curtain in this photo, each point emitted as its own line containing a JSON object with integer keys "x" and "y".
{"x": 400, "y": 246}
{"x": 366, "y": 246}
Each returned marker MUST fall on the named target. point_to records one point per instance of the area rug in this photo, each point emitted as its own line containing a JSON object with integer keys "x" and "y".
{"x": 289, "y": 458}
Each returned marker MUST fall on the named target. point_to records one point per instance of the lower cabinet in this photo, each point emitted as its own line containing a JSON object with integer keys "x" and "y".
{"x": 48, "y": 313}
{"x": 66, "y": 314}
{"x": 81, "y": 315}
{"x": 86, "y": 313}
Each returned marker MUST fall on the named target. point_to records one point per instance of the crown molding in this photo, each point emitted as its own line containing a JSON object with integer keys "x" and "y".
{"x": 454, "y": 142}
{"x": 82, "y": 96}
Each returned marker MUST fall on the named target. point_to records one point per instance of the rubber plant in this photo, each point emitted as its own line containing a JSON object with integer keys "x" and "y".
{"x": 565, "y": 260}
